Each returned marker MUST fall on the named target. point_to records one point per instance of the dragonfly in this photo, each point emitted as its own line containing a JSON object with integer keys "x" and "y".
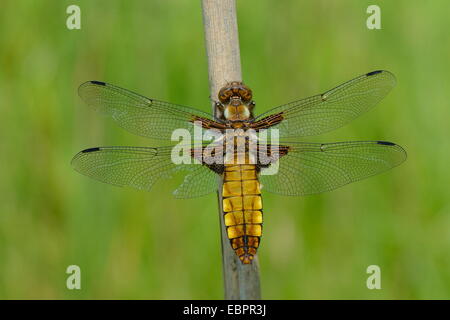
{"x": 303, "y": 168}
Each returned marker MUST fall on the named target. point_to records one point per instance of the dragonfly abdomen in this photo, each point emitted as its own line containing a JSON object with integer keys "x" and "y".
{"x": 242, "y": 209}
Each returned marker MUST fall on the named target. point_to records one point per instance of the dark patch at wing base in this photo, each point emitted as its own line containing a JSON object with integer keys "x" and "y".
{"x": 267, "y": 122}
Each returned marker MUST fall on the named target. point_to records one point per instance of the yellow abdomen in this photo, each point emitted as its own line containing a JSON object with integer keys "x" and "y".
{"x": 242, "y": 206}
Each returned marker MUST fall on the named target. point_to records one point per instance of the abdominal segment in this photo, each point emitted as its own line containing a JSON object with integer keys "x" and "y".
{"x": 242, "y": 209}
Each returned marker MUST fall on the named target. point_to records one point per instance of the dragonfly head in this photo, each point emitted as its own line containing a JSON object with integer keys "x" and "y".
{"x": 235, "y": 102}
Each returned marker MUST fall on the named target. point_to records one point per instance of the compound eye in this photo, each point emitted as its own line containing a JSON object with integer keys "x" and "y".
{"x": 224, "y": 95}
{"x": 246, "y": 94}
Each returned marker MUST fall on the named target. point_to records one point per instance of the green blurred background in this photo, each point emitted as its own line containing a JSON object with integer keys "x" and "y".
{"x": 132, "y": 244}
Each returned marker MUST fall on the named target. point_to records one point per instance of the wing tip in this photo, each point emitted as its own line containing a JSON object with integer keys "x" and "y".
{"x": 386, "y": 143}
{"x": 374, "y": 72}
{"x": 385, "y": 73}
{"x": 100, "y": 83}
{"x": 90, "y": 150}
{"x": 90, "y": 82}
{"x": 79, "y": 154}
{"x": 396, "y": 146}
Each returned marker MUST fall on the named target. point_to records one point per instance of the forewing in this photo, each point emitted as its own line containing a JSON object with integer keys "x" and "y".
{"x": 140, "y": 168}
{"x": 140, "y": 115}
{"x": 330, "y": 110}
{"x": 310, "y": 168}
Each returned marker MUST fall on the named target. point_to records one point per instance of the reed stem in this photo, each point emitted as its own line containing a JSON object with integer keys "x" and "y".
{"x": 241, "y": 282}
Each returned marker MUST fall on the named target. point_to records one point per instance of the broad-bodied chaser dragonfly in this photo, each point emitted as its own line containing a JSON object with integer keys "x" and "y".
{"x": 302, "y": 168}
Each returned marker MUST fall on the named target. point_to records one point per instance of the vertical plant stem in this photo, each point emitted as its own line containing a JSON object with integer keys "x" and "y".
{"x": 224, "y": 65}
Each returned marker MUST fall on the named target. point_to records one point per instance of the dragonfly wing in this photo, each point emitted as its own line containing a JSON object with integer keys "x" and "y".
{"x": 141, "y": 167}
{"x": 199, "y": 182}
{"x": 330, "y": 110}
{"x": 310, "y": 168}
{"x": 140, "y": 115}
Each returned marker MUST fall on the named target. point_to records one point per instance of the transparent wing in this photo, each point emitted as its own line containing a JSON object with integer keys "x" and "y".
{"x": 310, "y": 168}
{"x": 140, "y": 115}
{"x": 199, "y": 182}
{"x": 141, "y": 167}
{"x": 330, "y": 110}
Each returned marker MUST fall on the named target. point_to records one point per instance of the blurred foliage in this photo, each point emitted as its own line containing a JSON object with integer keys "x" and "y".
{"x": 132, "y": 244}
